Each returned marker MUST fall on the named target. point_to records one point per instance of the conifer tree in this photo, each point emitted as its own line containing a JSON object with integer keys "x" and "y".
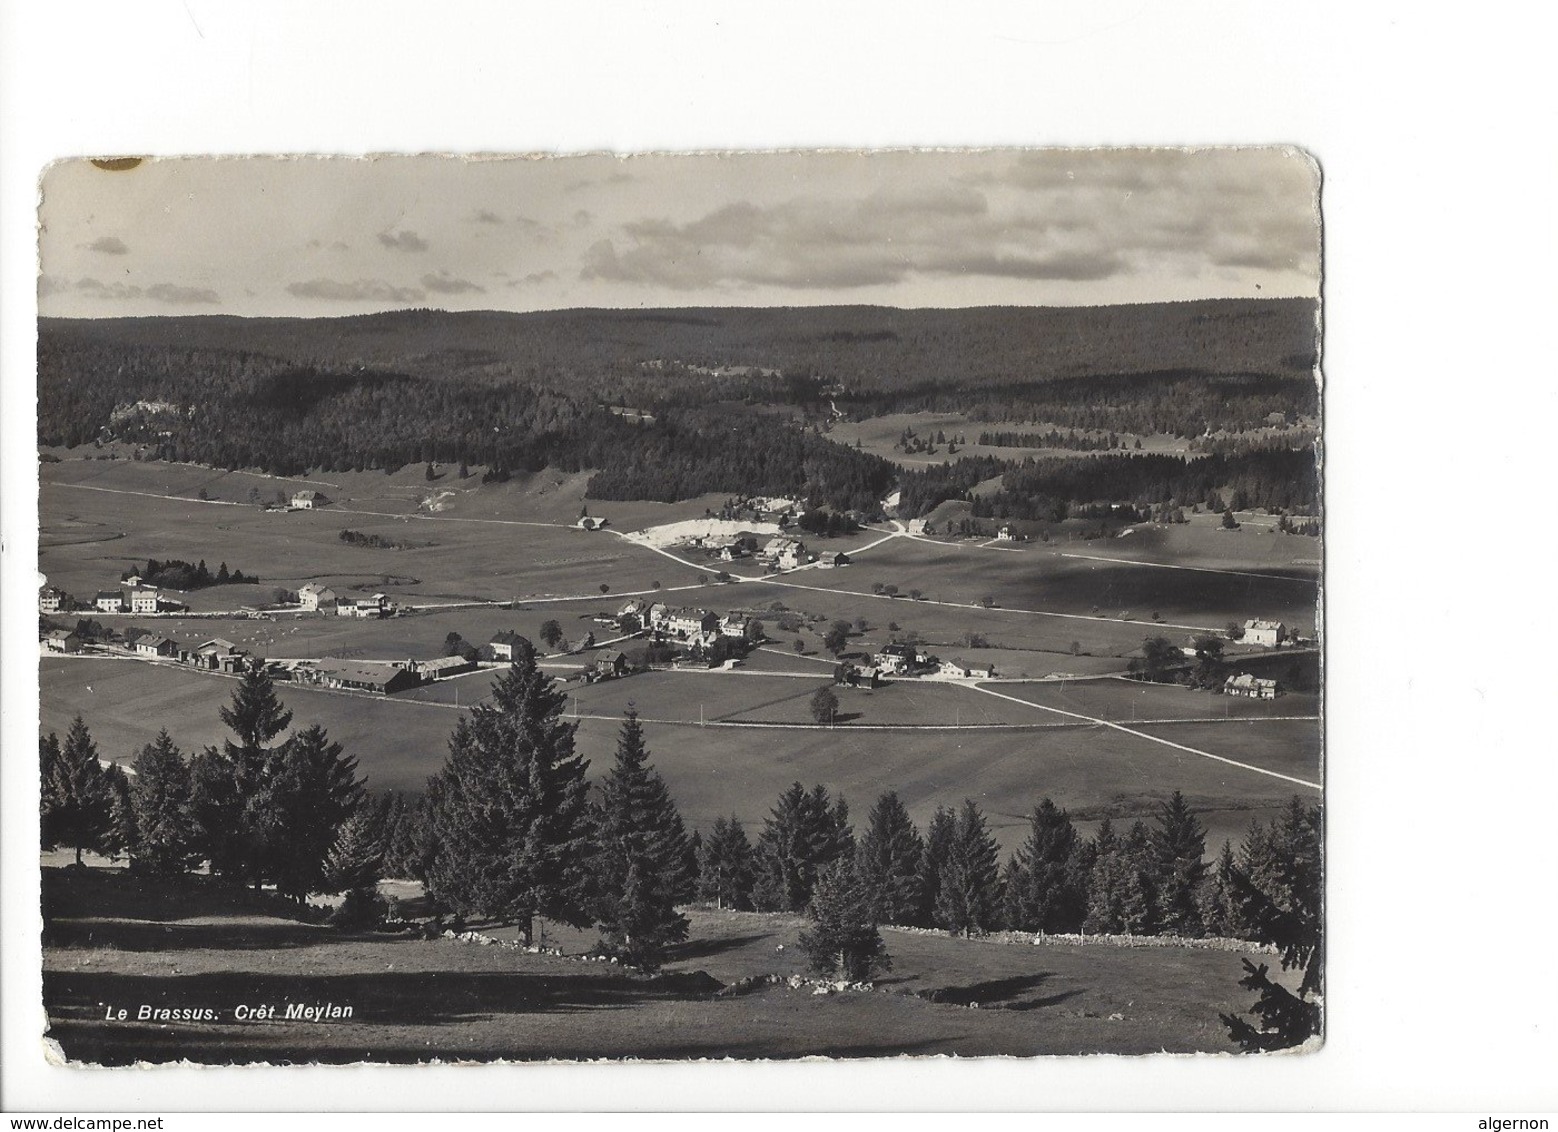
{"x": 938, "y": 844}
{"x": 725, "y": 865}
{"x": 969, "y": 899}
{"x": 1119, "y": 896}
{"x": 1286, "y": 910}
{"x": 843, "y": 938}
{"x": 1219, "y": 911}
{"x": 77, "y": 798}
{"x": 888, "y": 861}
{"x": 164, "y": 842}
{"x": 639, "y": 871}
{"x": 1177, "y": 845}
{"x": 356, "y": 857}
{"x": 49, "y": 756}
{"x": 1044, "y": 891}
{"x": 802, "y": 834}
{"x": 311, "y": 790}
{"x": 510, "y": 808}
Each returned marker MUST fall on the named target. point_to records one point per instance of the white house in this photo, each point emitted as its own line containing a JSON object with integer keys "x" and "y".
{"x": 316, "y": 597}
{"x": 61, "y": 640}
{"x": 1267, "y": 633}
{"x": 108, "y": 601}
{"x": 1251, "y": 687}
{"x": 156, "y": 645}
{"x": 686, "y": 623}
{"x": 734, "y": 625}
{"x": 377, "y": 605}
{"x": 52, "y": 599}
{"x": 308, "y": 499}
{"x": 144, "y": 599}
{"x": 1006, "y": 534}
{"x": 506, "y": 643}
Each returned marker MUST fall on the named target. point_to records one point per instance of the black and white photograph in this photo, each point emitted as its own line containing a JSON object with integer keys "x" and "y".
{"x": 730, "y": 605}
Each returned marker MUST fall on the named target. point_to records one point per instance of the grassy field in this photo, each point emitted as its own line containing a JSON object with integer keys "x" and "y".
{"x": 877, "y": 435}
{"x": 113, "y": 940}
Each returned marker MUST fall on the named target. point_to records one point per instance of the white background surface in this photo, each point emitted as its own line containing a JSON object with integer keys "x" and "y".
{"x": 1435, "y": 128}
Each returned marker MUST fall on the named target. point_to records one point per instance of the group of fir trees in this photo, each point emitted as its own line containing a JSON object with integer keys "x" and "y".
{"x": 259, "y": 811}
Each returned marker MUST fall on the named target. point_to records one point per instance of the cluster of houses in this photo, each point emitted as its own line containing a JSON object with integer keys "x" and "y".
{"x": 131, "y": 597}
{"x": 688, "y": 625}
{"x": 216, "y": 655}
{"x": 784, "y": 553}
{"x": 1251, "y": 687}
{"x": 911, "y": 660}
{"x": 314, "y": 598}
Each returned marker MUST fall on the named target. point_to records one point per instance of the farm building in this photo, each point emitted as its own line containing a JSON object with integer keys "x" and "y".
{"x": 156, "y": 645}
{"x": 686, "y": 623}
{"x": 832, "y": 560}
{"x": 507, "y": 645}
{"x": 785, "y": 553}
{"x": 900, "y": 658}
{"x": 856, "y": 676}
{"x": 52, "y": 599}
{"x": 217, "y": 655}
{"x": 590, "y": 523}
{"x": 612, "y": 664}
{"x": 144, "y": 599}
{"x": 108, "y": 601}
{"x": 61, "y": 641}
{"x": 308, "y": 499}
{"x": 738, "y": 626}
{"x": 1267, "y": 633}
{"x": 633, "y": 608}
{"x": 377, "y": 605}
{"x": 383, "y": 679}
{"x": 1251, "y": 687}
{"x": 316, "y": 597}
{"x": 966, "y": 671}
{"x": 443, "y": 667}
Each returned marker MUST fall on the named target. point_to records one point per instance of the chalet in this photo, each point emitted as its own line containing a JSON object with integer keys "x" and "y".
{"x": 354, "y": 676}
{"x": 954, "y": 668}
{"x": 655, "y": 615}
{"x": 832, "y": 559}
{"x": 610, "y": 665}
{"x": 308, "y": 499}
{"x": 108, "y": 601}
{"x": 52, "y": 599}
{"x": 792, "y": 556}
{"x": 61, "y": 641}
{"x": 1007, "y": 534}
{"x": 736, "y": 626}
{"x": 1267, "y": 633}
{"x": 731, "y": 551}
{"x": 857, "y": 676}
{"x": 591, "y": 523}
{"x": 156, "y": 645}
{"x": 144, "y": 599}
{"x": 443, "y": 667}
{"x": 1251, "y": 687}
{"x": 508, "y": 645}
{"x": 981, "y": 671}
{"x": 686, "y": 623}
{"x": 376, "y": 605}
{"x": 314, "y": 597}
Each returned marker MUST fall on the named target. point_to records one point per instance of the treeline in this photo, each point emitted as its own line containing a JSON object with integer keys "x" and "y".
{"x": 284, "y": 419}
{"x": 1056, "y": 489}
{"x": 176, "y": 574}
{"x": 1054, "y": 438}
{"x": 866, "y": 349}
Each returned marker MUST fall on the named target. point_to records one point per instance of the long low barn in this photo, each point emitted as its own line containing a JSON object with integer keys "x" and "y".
{"x": 385, "y": 679}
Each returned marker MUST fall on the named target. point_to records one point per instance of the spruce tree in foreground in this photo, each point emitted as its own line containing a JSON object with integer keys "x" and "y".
{"x": 969, "y": 900}
{"x": 1178, "y": 845}
{"x": 843, "y": 938}
{"x": 938, "y": 845}
{"x": 76, "y": 796}
{"x": 509, "y": 809}
{"x": 888, "y": 861}
{"x": 1119, "y": 890}
{"x": 803, "y": 834}
{"x": 725, "y": 866}
{"x": 1284, "y": 908}
{"x": 310, "y": 791}
{"x": 164, "y": 841}
{"x": 639, "y": 870}
{"x": 1044, "y": 891}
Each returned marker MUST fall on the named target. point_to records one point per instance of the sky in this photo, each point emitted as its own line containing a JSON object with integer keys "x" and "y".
{"x": 334, "y": 236}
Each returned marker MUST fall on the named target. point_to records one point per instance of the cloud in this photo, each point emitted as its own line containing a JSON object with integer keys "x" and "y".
{"x": 51, "y": 285}
{"x": 354, "y": 291}
{"x": 485, "y": 217}
{"x": 403, "y": 241}
{"x": 109, "y": 245}
{"x": 529, "y": 280}
{"x": 97, "y": 289}
{"x": 445, "y": 284}
{"x": 172, "y": 293}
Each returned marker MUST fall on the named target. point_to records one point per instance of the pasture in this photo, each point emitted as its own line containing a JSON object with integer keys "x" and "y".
{"x": 114, "y": 938}
{"x": 877, "y": 435}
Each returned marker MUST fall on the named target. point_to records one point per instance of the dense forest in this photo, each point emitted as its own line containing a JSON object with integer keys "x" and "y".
{"x": 724, "y": 396}
{"x": 1055, "y": 489}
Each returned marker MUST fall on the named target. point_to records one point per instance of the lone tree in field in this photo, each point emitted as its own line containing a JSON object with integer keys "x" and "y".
{"x": 824, "y": 705}
{"x": 164, "y": 841}
{"x": 888, "y": 862}
{"x": 725, "y": 865}
{"x": 510, "y": 807}
{"x": 642, "y": 863}
{"x": 969, "y": 899}
{"x": 843, "y": 938}
{"x": 1046, "y": 891}
{"x": 836, "y": 639}
{"x": 551, "y": 634}
{"x": 1279, "y": 893}
{"x": 77, "y": 798}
